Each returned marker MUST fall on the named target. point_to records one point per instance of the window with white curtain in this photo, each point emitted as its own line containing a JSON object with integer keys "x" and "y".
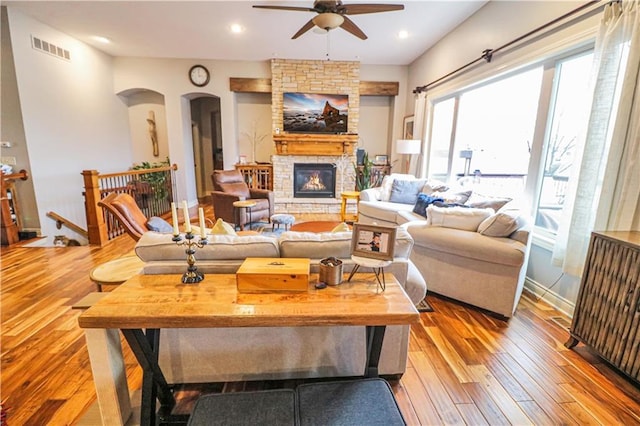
{"x": 483, "y": 137}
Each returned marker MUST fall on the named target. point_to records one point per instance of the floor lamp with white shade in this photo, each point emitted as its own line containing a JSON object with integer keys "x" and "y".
{"x": 407, "y": 147}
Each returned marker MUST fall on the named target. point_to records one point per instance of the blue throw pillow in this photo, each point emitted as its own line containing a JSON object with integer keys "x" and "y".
{"x": 158, "y": 224}
{"x": 423, "y": 202}
{"x": 405, "y": 191}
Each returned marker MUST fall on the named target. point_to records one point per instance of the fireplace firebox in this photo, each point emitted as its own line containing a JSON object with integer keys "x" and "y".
{"x": 314, "y": 180}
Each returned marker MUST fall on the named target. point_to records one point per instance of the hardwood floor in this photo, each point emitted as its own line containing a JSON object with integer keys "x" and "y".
{"x": 464, "y": 367}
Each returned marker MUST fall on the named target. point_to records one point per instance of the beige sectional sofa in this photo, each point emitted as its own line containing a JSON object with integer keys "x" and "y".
{"x": 210, "y": 355}
{"x": 482, "y": 267}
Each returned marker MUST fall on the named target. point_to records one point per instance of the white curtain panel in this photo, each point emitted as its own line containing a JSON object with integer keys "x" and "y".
{"x": 605, "y": 188}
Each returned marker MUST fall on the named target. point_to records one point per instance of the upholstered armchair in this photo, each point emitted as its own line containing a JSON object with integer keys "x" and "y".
{"x": 229, "y": 186}
{"x": 124, "y": 208}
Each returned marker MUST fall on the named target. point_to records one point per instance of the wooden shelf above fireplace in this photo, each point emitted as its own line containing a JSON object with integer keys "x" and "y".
{"x": 314, "y": 144}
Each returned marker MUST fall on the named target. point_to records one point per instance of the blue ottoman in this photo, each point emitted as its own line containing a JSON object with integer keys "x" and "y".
{"x": 283, "y": 219}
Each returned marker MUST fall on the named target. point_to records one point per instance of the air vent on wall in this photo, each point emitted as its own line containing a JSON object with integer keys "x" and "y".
{"x": 50, "y": 48}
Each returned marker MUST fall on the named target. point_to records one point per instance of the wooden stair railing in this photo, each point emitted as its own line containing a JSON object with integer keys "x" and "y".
{"x": 100, "y": 228}
{"x": 9, "y": 227}
{"x": 61, "y": 221}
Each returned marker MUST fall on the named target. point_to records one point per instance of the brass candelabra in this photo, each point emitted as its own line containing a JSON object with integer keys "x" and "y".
{"x": 192, "y": 276}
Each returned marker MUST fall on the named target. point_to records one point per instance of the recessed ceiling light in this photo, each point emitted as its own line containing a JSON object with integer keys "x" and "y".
{"x": 403, "y": 34}
{"x": 237, "y": 28}
{"x": 101, "y": 39}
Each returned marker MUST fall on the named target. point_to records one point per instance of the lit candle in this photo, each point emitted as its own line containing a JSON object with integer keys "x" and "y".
{"x": 203, "y": 231}
{"x": 187, "y": 222}
{"x": 174, "y": 219}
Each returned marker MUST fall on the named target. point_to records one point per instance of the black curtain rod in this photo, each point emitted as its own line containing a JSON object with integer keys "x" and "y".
{"x": 487, "y": 54}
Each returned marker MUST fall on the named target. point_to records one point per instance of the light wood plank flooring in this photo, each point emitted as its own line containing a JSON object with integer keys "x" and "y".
{"x": 465, "y": 367}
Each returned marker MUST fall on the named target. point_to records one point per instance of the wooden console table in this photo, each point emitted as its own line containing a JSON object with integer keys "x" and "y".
{"x": 153, "y": 302}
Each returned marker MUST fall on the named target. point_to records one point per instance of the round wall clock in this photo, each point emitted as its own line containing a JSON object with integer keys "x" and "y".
{"x": 199, "y": 75}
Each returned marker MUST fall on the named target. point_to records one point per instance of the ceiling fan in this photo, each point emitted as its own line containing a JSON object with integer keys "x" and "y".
{"x": 333, "y": 14}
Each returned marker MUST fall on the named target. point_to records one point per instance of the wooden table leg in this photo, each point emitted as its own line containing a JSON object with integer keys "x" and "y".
{"x": 109, "y": 375}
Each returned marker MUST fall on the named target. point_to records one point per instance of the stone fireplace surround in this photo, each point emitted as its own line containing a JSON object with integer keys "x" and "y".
{"x": 283, "y": 184}
{"x": 313, "y": 76}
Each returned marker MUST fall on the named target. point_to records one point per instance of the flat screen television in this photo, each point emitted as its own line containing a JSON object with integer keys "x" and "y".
{"x": 315, "y": 113}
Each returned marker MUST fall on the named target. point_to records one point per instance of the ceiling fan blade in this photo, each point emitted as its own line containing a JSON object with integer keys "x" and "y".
{"x": 349, "y": 26}
{"x": 306, "y": 27}
{"x": 361, "y": 9}
{"x": 292, "y": 8}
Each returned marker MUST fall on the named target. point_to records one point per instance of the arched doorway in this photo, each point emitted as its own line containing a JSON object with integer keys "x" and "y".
{"x": 206, "y": 130}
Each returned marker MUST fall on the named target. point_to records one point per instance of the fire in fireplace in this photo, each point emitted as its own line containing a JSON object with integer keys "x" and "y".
{"x": 314, "y": 180}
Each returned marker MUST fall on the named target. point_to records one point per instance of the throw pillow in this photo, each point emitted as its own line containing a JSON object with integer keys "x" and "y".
{"x": 158, "y": 224}
{"x": 484, "y": 201}
{"x": 432, "y": 186}
{"x": 501, "y": 224}
{"x": 387, "y": 183}
{"x": 405, "y": 191}
{"x": 467, "y": 219}
{"x": 452, "y": 196}
{"x": 343, "y": 227}
{"x": 423, "y": 201}
{"x": 222, "y": 228}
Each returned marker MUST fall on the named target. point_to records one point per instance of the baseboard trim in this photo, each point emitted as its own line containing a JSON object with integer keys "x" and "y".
{"x": 539, "y": 291}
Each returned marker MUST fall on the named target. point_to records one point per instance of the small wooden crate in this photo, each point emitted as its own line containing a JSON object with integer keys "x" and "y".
{"x": 268, "y": 274}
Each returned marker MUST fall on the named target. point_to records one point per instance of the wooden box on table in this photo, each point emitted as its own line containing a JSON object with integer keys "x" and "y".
{"x": 268, "y": 274}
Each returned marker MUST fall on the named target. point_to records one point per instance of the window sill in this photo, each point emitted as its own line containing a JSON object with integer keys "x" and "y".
{"x": 546, "y": 242}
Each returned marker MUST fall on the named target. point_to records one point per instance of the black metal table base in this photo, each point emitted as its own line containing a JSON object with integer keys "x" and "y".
{"x": 145, "y": 345}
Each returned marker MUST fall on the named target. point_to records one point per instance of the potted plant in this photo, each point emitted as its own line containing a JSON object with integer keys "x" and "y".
{"x": 363, "y": 173}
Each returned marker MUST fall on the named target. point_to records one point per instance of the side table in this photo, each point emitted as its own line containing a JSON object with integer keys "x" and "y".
{"x": 376, "y": 264}
{"x": 247, "y": 205}
{"x": 349, "y": 195}
{"x": 117, "y": 271}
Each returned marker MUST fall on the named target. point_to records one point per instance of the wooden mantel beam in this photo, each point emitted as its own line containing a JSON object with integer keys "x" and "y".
{"x": 263, "y": 85}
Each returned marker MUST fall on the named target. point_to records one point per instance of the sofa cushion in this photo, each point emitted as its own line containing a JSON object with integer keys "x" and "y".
{"x": 160, "y": 247}
{"x": 464, "y": 218}
{"x": 405, "y": 191}
{"x": 432, "y": 186}
{"x": 423, "y": 202}
{"x": 384, "y": 211}
{"x": 387, "y": 184}
{"x": 315, "y": 245}
{"x": 485, "y": 201}
{"x": 501, "y": 224}
{"x": 453, "y": 196}
{"x": 467, "y": 244}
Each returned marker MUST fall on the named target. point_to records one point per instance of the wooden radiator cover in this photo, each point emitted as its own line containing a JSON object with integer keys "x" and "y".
{"x": 607, "y": 314}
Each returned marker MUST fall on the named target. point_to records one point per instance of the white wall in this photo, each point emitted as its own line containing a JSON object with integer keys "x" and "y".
{"x": 376, "y": 122}
{"x": 497, "y": 23}
{"x": 169, "y": 77}
{"x": 140, "y": 104}
{"x": 254, "y": 125}
{"x": 371, "y": 109}
{"x": 72, "y": 119}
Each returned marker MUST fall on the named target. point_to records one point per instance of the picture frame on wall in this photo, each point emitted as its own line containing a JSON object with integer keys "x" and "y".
{"x": 381, "y": 160}
{"x": 373, "y": 241}
{"x": 407, "y": 126}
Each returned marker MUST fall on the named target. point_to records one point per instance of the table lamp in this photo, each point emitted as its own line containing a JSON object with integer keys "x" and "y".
{"x": 408, "y": 146}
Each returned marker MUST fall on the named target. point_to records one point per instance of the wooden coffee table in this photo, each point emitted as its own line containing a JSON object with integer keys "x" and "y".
{"x": 152, "y": 302}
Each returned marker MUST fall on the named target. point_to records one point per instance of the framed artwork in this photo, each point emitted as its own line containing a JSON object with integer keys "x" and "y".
{"x": 407, "y": 126}
{"x": 373, "y": 241}
{"x": 381, "y": 160}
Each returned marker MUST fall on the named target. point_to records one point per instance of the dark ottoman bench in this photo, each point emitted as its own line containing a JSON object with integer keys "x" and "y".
{"x": 352, "y": 402}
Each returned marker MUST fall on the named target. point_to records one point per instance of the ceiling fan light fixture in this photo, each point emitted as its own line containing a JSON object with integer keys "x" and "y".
{"x": 328, "y": 21}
